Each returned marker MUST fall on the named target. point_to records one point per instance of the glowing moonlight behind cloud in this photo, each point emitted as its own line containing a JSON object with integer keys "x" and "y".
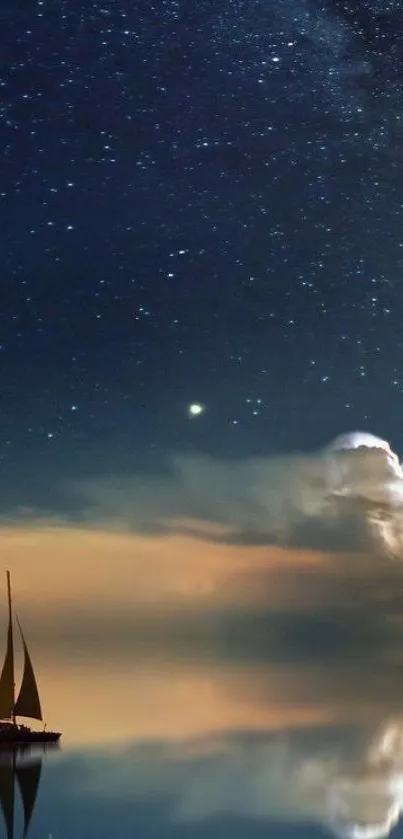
{"x": 358, "y": 439}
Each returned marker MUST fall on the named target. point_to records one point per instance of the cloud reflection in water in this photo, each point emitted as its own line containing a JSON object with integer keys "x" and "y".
{"x": 344, "y": 776}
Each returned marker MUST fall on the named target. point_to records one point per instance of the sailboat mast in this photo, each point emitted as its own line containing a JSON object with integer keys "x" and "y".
{"x": 11, "y": 640}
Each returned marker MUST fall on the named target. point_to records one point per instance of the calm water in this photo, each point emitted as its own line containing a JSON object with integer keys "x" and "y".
{"x": 261, "y": 694}
{"x": 218, "y": 745}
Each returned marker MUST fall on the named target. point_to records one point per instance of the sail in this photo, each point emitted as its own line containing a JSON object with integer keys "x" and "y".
{"x": 28, "y": 702}
{"x": 7, "y": 674}
{"x": 29, "y": 775}
{"x": 7, "y": 680}
{"x": 7, "y": 787}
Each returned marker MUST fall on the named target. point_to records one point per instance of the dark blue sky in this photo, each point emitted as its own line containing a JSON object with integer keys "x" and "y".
{"x": 199, "y": 202}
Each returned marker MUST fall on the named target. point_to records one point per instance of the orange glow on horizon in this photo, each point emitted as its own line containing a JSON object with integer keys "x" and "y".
{"x": 58, "y": 566}
{"x": 67, "y": 583}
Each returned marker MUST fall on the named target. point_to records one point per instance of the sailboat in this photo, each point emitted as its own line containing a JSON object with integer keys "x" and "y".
{"x": 27, "y": 703}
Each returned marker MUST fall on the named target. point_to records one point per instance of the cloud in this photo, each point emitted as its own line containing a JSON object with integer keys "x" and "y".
{"x": 233, "y": 560}
{"x": 347, "y": 497}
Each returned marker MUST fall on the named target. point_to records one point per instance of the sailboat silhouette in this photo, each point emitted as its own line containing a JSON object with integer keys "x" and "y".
{"x": 27, "y": 703}
{"x": 26, "y": 774}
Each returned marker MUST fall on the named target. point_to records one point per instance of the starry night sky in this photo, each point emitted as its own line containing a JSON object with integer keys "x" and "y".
{"x": 200, "y": 202}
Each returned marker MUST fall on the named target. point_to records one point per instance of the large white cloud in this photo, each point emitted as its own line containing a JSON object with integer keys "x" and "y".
{"x": 359, "y": 462}
{"x": 358, "y": 439}
{"x": 347, "y": 496}
{"x": 364, "y": 484}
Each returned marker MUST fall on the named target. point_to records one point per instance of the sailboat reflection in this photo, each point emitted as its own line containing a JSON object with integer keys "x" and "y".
{"x": 22, "y": 768}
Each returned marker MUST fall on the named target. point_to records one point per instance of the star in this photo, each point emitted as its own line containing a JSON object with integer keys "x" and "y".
{"x": 175, "y": 295}
{"x": 195, "y": 409}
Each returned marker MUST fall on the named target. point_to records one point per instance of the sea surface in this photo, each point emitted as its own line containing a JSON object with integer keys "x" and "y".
{"x": 259, "y": 695}
{"x": 220, "y": 743}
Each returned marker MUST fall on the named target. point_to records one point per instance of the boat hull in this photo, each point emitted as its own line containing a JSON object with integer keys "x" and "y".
{"x": 12, "y": 734}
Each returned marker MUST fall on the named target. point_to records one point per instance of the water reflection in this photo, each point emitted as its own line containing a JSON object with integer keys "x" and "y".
{"x": 217, "y": 689}
{"x": 327, "y": 768}
{"x": 20, "y": 766}
{"x": 206, "y": 740}
{"x": 365, "y": 799}
{"x": 262, "y": 745}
